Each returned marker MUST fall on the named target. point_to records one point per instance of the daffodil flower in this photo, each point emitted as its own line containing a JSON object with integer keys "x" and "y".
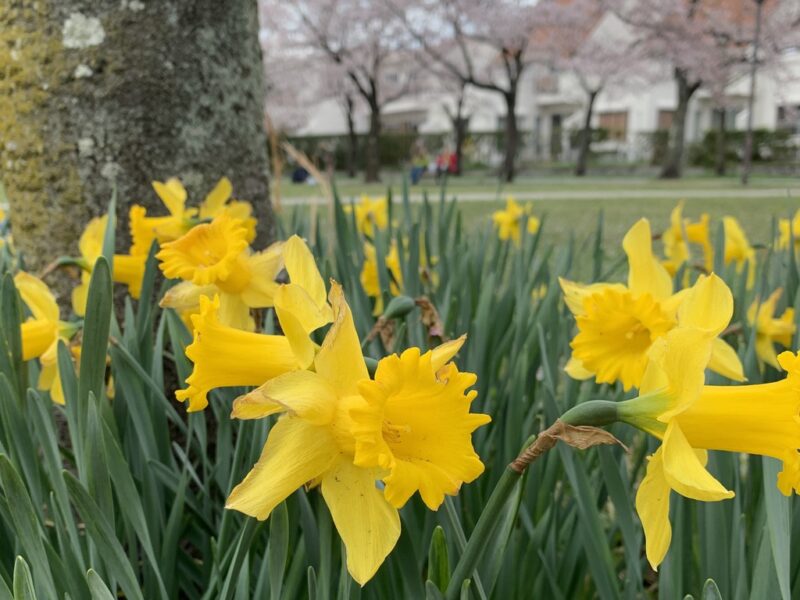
{"x": 40, "y": 334}
{"x": 369, "y": 214}
{"x": 789, "y": 228}
{"x": 771, "y": 330}
{"x": 127, "y": 269}
{"x": 738, "y": 249}
{"x": 691, "y": 418}
{"x": 181, "y": 219}
{"x": 370, "y": 278}
{"x": 214, "y": 259}
{"x": 675, "y": 247}
{"x": 410, "y": 429}
{"x": 508, "y": 221}
{"x": 699, "y": 232}
{"x": 218, "y": 348}
{"x": 617, "y": 324}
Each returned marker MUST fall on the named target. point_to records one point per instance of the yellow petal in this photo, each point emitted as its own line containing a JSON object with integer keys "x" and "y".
{"x": 296, "y": 452}
{"x": 442, "y": 354}
{"x": 645, "y": 273}
{"x": 671, "y": 305}
{"x": 302, "y": 269}
{"x": 216, "y": 199}
{"x": 90, "y": 243}
{"x": 129, "y": 270}
{"x": 37, "y": 337}
{"x": 235, "y": 313}
{"x": 264, "y": 268}
{"x": 576, "y": 293}
{"x": 340, "y": 360}
{"x": 684, "y": 471}
{"x": 368, "y": 525}
{"x": 575, "y": 369}
{"x": 80, "y": 295}
{"x": 299, "y": 315}
{"x": 172, "y": 194}
{"x": 765, "y": 350}
{"x": 725, "y": 361}
{"x": 186, "y": 295}
{"x": 708, "y": 306}
{"x": 303, "y": 393}
{"x": 36, "y": 296}
{"x": 683, "y": 355}
{"x": 652, "y": 505}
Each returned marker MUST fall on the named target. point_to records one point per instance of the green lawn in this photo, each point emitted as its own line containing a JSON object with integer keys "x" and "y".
{"x": 486, "y": 183}
{"x": 578, "y": 216}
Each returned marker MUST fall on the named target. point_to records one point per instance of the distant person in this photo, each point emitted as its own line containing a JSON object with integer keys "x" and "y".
{"x": 452, "y": 164}
{"x": 419, "y": 163}
{"x": 299, "y": 175}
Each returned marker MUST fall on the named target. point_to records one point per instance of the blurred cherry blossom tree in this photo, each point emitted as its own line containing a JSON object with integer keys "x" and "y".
{"x": 706, "y": 43}
{"x": 359, "y": 41}
{"x": 583, "y": 38}
{"x": 481, "y": 43}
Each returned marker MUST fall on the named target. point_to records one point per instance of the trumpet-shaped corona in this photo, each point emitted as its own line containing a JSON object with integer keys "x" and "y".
{"x": 328, "y": 433}
{"x": 369, "y": 214}
{"x": 618, "y": 324}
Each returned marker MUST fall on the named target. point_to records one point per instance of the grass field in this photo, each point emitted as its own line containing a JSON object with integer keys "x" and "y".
{"x": 565, "y": 215}
{"x": 487, "y": 183}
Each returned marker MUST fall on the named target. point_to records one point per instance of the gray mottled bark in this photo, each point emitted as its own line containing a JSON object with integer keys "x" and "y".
{"x": 101, "y": 92}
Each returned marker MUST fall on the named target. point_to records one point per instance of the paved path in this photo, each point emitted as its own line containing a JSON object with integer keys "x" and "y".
{"x": 676, "y": 194}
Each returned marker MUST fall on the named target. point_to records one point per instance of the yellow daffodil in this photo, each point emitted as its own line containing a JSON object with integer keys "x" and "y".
{"x": 214, "y": 258}
{"x": 370, "y": 278}
{"x": 789, "y": 228}
{"x": 41, "y": 332}
{"x": 539, "y": 292}
{"x": 771, "y": 330}
{"x": 127, "y": 269}
{"x": 181, "y": 219}
{"x": 676, "y": 249}
{"x": 509, "y": 220}
{"x": 618, "y": 324}
{"x": 369, "y": 214}
{"x": 369, "y": 445}
{"x": 738, "y": 249}
{"x": 691, "y": 418}
{"x": 699, "y": 232}
{"x": 224, "y": 356}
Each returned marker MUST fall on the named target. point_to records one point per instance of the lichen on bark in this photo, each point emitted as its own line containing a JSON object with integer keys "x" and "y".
{"x": 157, "y": 90}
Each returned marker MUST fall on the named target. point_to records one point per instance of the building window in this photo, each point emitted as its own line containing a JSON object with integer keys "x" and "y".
{"x": 615, "y": 123}
{"x": 788, "y": 119}
{"x": 665, "y": 119}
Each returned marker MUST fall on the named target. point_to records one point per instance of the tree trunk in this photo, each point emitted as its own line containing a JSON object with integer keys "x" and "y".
{"x": 586, "y": 136}
{"x": 720, "y": 150}
{"x": 352, "y": 137}
{"x": 512, "y": 136}
{"x": 460, "y": 128}
{"x": 373, "y": 160}
{"x": 121, "y": 93}
{"x": 673, "y": 164}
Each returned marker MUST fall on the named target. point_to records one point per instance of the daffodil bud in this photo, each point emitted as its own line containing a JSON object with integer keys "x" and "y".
{"x": 398, "y": 307}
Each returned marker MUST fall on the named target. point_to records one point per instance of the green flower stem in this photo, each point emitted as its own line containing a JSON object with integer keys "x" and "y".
{"x": 593, "y": 413}
{"x": 483, "y": 529}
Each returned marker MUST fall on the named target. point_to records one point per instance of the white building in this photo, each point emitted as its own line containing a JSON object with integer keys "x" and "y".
{"x": 551, "y": 106}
